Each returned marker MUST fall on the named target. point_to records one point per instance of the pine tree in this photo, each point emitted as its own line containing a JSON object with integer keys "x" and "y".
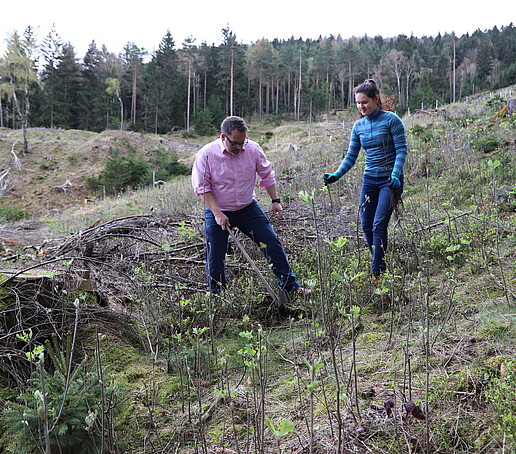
{"x": 485, "y": 61}
{"x": 93, "y": 100}
{"x": 66, "y": 86}
{"x": 163, "y": 87}
{"x": 52, "y": 51}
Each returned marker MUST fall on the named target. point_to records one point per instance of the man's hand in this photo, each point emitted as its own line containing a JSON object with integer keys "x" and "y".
{"x": 277, "y": 210}
{"x": 222, "y": 220}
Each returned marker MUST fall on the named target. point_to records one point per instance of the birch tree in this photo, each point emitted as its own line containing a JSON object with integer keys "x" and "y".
{"x": 113, "y": 89}
{"x": 19, "y": 71}
{"x": 396, "y": 61}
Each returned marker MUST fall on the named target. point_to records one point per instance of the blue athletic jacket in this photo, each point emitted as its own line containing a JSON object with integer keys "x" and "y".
{"x": 382, "y": 136}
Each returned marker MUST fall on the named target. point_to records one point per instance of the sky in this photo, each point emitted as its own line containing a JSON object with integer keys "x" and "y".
{"x": 114, "y": 23}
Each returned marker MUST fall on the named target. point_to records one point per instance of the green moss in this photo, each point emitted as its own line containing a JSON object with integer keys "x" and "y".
{"x": 373, "y": 365}
{"x": 498, "y": 329}
{"x": 372, "y": 338}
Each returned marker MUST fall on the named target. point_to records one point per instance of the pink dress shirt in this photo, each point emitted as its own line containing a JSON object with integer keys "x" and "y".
{"x": 231, "y": 179}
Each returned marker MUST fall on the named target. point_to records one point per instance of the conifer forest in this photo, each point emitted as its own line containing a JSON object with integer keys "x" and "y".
{"x": 45, "y": 84}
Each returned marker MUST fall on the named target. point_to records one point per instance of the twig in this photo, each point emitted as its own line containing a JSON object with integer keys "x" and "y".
{"x": 436, "y": 224}
{"x": 449, "y": 312}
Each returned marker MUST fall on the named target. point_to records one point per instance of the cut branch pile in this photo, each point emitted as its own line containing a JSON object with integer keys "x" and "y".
{"x": 103, "y": 269}
{"x": 112, "y": 251}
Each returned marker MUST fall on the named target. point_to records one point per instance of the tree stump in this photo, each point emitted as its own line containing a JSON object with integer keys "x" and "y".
{"x": 511, "y": 106}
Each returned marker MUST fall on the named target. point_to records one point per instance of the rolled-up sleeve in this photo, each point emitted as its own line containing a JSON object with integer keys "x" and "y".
{"x": 201, "y": 176}
{"x": 266, "y": 175}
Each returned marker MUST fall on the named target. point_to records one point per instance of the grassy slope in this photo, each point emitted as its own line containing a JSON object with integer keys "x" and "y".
{"x": 438, "y": 330}
{"x": 56, "y": 156}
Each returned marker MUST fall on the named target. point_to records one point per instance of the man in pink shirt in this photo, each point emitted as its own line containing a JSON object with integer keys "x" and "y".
{"x": 224, "y": 175}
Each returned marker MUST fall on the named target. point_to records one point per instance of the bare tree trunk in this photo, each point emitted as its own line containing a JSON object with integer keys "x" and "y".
{"x": 25, "y": 137}
{"x": 398, "y": 83}
{"x": 299, "y": 87}
{"x": 205, "y": 89}
{"x": 407, "y": 89}
{"x": 277, "y": 96}
{"x": 289, "y": 79}
{"x": 156, "y": 118}
{"x": 188, "y": 97}
{"x": 295, "y": 96}
{"x": 121, "y": 112}
{"x": 260, "y": 101}
{"x": 267, "y": 98}
{"x": 23, "y": 112}
{"x": 194, "y": 91}
{"x": 328, "y": 92}
{"x": 133, "y": 98}
{"x": 350, "y": 84}
{"x": 342, "y": 96}
{"x": 454, "y": 70}
{"x": 232, "y": 81}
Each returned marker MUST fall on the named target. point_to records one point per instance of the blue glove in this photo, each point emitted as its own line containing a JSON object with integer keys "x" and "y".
{"x": 329, "y": 178}
{"x": 395, "y": 182}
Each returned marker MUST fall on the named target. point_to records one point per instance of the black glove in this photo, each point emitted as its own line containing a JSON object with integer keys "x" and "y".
{"x": 330, "y": 178}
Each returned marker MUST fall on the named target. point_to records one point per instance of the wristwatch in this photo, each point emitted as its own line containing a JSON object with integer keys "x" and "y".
{"x": 276, "y": 200}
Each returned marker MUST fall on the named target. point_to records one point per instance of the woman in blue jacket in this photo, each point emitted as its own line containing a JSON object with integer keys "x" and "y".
{"x": 382, "y": 135}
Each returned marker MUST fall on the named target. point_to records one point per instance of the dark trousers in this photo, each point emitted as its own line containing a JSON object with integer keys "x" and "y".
{"x": 375, "y": 213}
{"x": 253, "y": 222}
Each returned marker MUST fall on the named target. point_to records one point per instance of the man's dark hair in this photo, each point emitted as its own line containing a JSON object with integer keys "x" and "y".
{"x": 232, "y": 123}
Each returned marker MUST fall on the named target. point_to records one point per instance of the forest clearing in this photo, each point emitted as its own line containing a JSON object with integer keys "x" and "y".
{"x": 111, "y": 341}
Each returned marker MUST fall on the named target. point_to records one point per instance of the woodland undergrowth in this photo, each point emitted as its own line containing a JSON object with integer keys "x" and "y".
{"x": 419, "y": 360}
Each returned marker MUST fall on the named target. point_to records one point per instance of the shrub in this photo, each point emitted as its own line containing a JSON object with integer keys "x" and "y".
{"x": 74, "y": 407}
{"x": 13, "y": 213}
{"x": 205, "y": 123}
{"x": 122, "y": 172}
{"x": 495, "y": 104}
{"x": 502, "y": 396}
{"x": 422, "y": 133}
{"x": 485, "y": 144}
{"x": 167, "y": 165}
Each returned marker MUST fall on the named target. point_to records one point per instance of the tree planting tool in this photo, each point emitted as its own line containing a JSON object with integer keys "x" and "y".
{"x": 280, "y": 298}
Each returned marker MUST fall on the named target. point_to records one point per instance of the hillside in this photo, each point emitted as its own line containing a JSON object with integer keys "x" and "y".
{"x": 419, "y": 361}
{"x": 58, "y": 156}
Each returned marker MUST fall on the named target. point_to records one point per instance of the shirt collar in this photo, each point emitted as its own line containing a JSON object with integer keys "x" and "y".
{"x": 221, "y": 145}
{"x": 375, "y": 113}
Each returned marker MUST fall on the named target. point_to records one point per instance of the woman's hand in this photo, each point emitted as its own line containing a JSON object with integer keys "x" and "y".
{"x": 329, "y": 178}
{"x": 395, "y": 182}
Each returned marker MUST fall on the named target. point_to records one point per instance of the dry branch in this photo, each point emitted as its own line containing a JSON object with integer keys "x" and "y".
{"x": 436, "y": 224}
{"x": 118, "y": 262}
